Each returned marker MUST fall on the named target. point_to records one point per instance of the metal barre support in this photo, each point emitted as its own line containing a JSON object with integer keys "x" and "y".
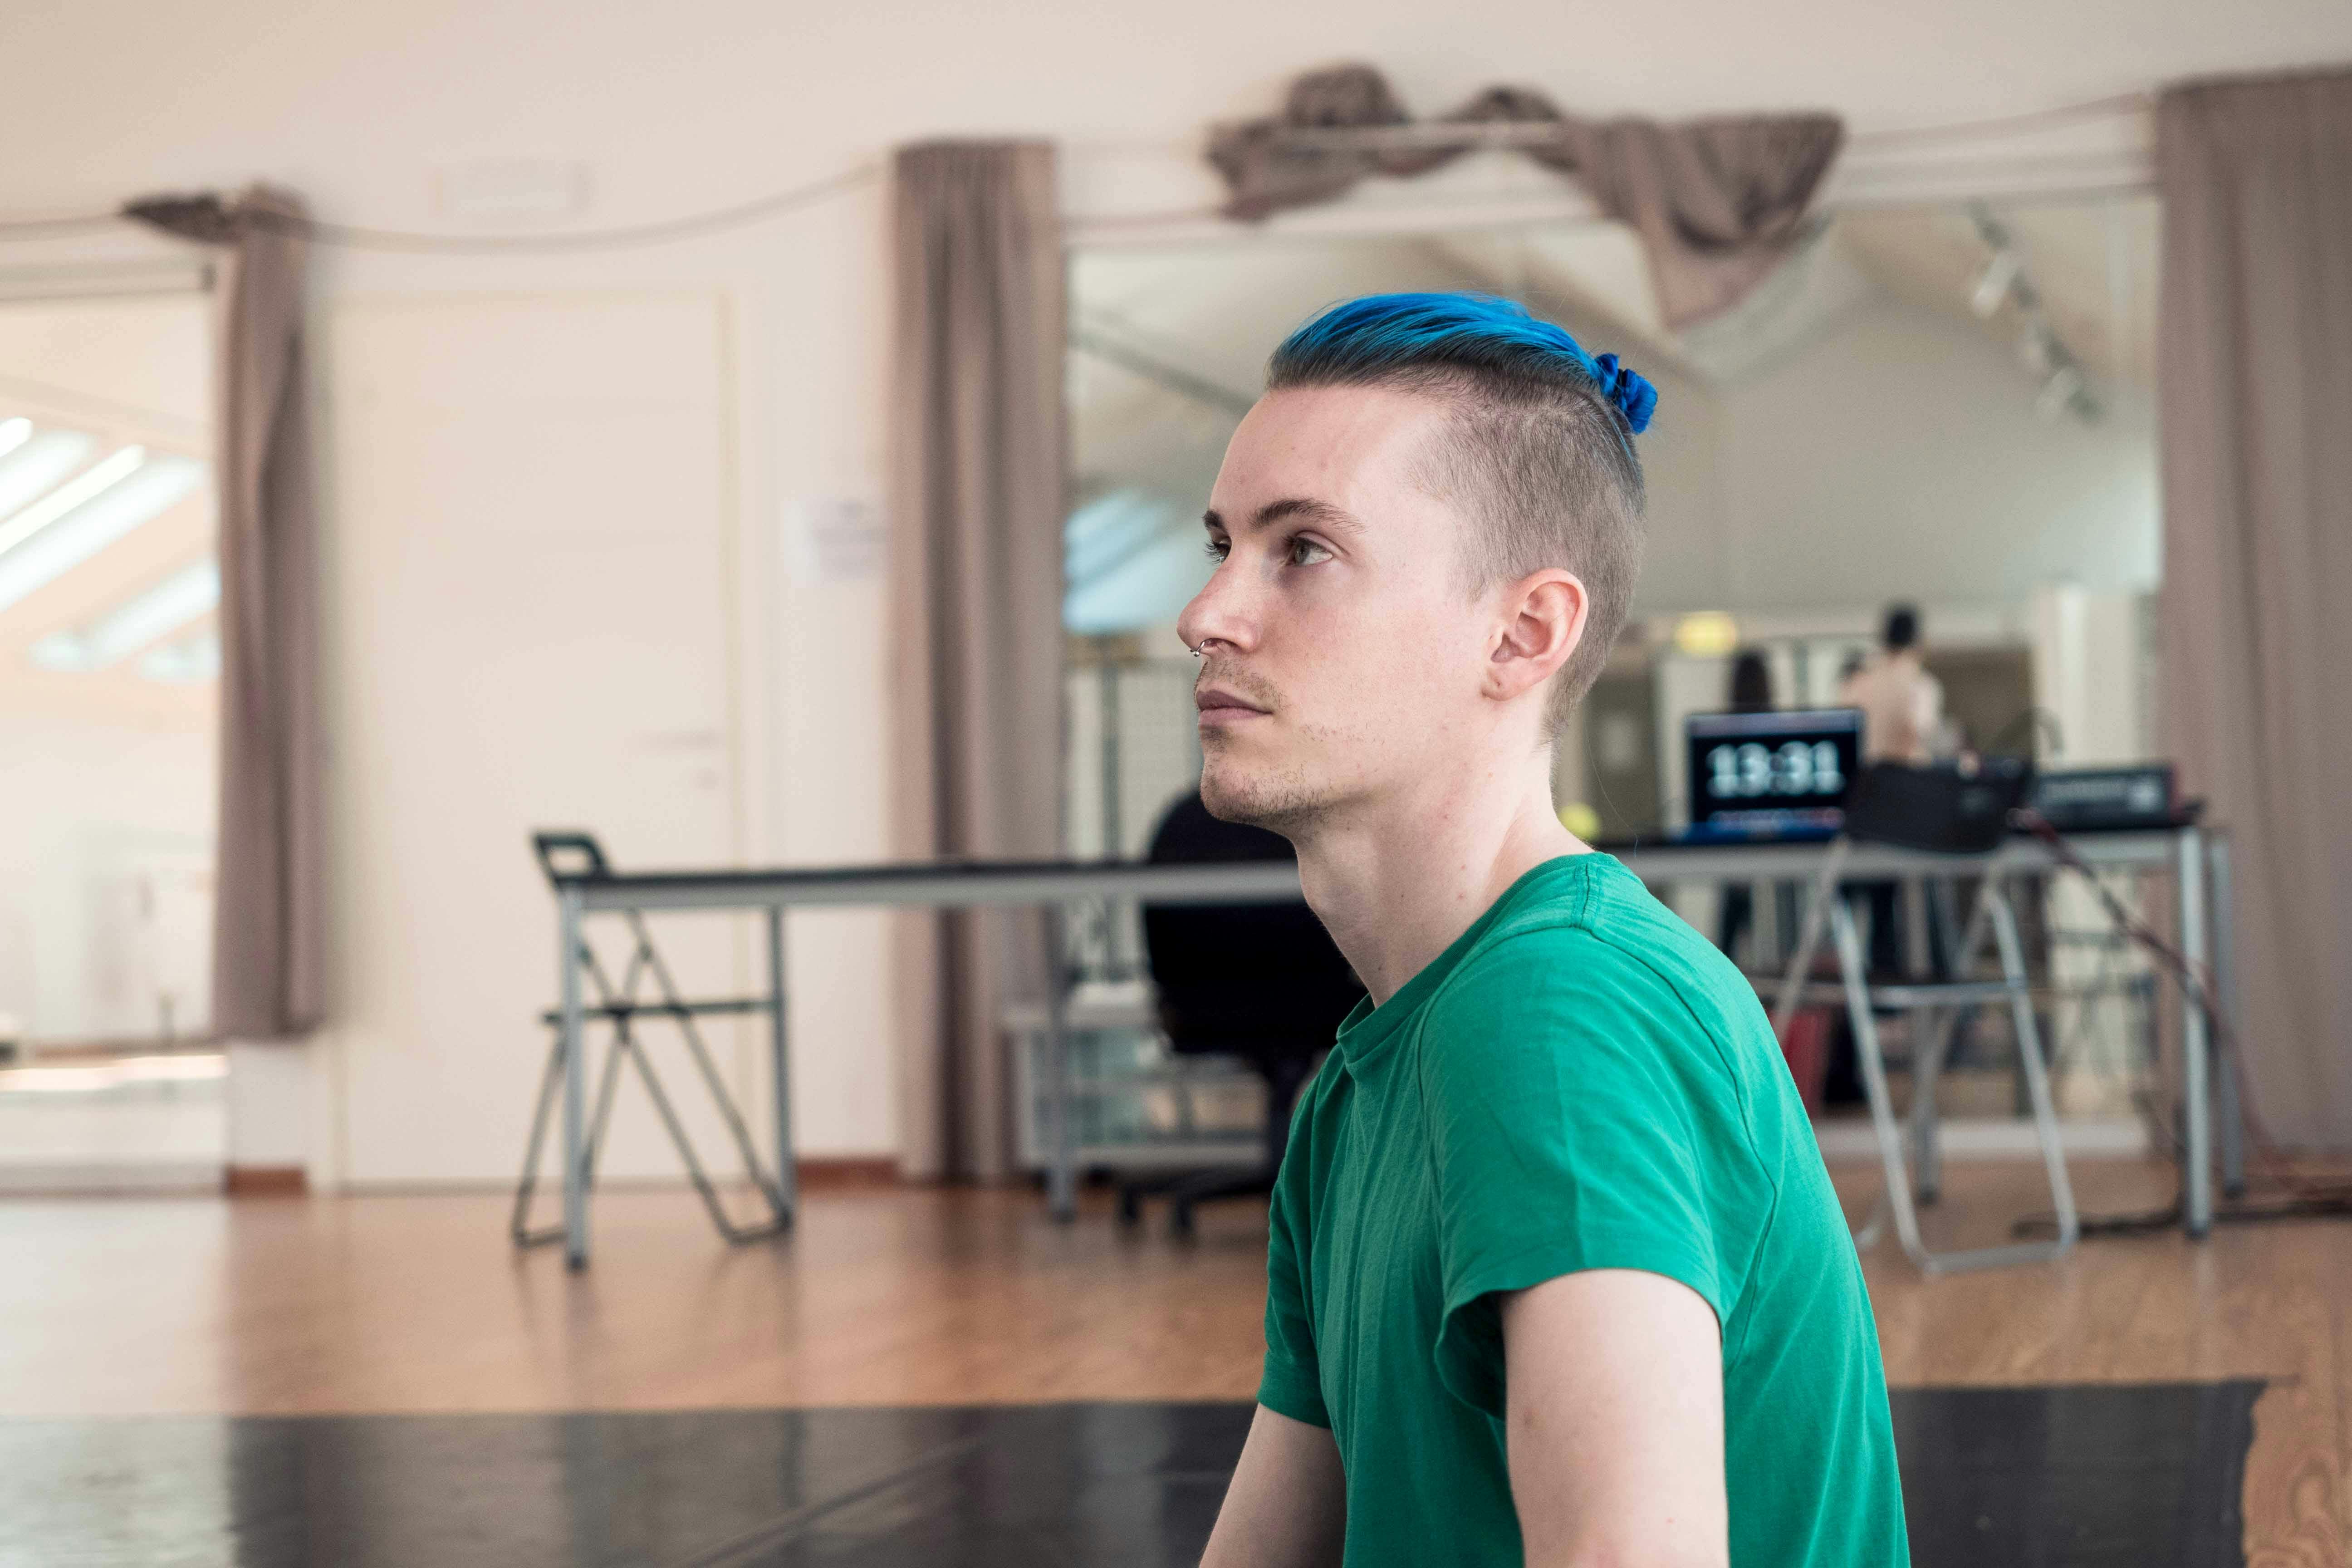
{"x": 1061, "y": 1174}
{"x": 1895, "y": 1197}
{"x": 1051, "y": 885}
{"x": 2196, "y": 1056}
{"x": 780, "y": 1068}
{"x": 573, "y": 1039}
{"x": 584, "y": 1135}
{"x": 2223, "y": 992}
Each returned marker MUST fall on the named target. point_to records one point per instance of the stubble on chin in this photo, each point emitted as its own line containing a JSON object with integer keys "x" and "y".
{"x": 1278, "y": 799}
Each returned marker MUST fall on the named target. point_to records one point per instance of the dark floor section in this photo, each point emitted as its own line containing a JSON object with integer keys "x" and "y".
{"x": 2148, "y": 1477}
{"x": 2081, "y": 1474}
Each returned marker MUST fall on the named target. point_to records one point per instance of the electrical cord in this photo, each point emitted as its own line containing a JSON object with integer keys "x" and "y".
{"x": 72, "y": 222}
{"x": 358, "y": 237}
{"x": 2305, "y": 1199}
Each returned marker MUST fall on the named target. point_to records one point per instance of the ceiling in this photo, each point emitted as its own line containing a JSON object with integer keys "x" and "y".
{"x": 1170, "y": 344}
{"x": 698, "y": 103}
{"x": 2091, "y": 263}
{"x": 2094, "y": 262}
{"x": 1212, "y": 312}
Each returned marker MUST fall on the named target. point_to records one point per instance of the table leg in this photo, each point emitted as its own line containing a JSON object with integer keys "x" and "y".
{"x": 1917, "y": 946}
{"x": 576, "y": 1080}
{"x": 780, "y": 1067}
{"x": 1929, "y": 1028}
{"x": 2227, "y": 1064}
{"x": 1814, "y": 921}
{"x": 2197, "y": 1156}
{"x": 1934, "y": 1031}
{"x": 1061, "y": 1174}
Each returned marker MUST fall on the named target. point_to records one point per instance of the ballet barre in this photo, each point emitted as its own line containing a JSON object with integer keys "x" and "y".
{"x": 586, "y": 887}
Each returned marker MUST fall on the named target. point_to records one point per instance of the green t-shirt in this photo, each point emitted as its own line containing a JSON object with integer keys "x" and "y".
{"x": 1578, "y": 1082}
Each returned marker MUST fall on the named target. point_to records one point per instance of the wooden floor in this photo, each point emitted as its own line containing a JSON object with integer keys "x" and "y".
{"x": 120, "y": 1307}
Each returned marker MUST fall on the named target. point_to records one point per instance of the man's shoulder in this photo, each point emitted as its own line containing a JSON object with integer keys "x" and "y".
{"x": 1614, "y": 962}
{"x": 1606, "y": 930}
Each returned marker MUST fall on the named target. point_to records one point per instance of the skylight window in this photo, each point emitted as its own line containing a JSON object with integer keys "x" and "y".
{"x": 99, "y": 477}
{"x": 83, "y": 516}
{"x": 155, "y": 612}
{"x": 34, "y": 464}
{"x": 186, "y": 662}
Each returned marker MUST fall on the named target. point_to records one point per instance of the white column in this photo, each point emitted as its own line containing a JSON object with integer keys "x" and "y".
{"x": 270, "y": 1109}
{"x": 2088, "y": 676}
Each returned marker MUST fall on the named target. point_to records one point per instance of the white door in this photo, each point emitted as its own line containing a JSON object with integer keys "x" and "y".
{"x": 530, "y": 623}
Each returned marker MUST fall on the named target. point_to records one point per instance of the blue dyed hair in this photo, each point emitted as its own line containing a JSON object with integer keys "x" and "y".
{"x": 1541, "y": 451}
{"x": 1477, "y": 334}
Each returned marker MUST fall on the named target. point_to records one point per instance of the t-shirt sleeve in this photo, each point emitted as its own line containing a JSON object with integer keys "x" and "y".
{"x": 1292, "y": 1383}
{"x": 1565, "y": 1083}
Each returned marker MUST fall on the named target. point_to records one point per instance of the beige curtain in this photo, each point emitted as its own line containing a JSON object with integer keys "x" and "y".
{"x": 1717, "y": 203}
{"x": 269, "y": 882}
{"x": 977, "y": 462}
{"x": 2256, "y": 396}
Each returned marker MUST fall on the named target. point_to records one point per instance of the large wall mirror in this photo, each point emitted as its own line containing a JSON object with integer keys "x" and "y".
{"x": 1950, "y": 406}
{"x": 108, "y": 658}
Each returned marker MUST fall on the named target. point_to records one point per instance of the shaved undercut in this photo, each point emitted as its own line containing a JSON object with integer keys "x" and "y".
{"x": 1539, "y": 450}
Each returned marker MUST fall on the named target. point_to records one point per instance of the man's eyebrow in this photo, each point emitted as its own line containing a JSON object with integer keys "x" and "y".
{"x": 1321, "y": 513}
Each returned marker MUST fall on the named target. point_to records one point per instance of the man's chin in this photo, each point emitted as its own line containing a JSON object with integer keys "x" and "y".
{"x": 1259, "y": 797}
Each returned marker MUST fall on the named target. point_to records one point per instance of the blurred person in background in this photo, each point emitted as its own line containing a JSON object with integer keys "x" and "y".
{"x": 1902, "y": 705}
{"x": 1901, "y": 720}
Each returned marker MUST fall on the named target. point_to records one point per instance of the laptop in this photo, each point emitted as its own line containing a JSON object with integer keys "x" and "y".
{"x": 1770, "y": 777}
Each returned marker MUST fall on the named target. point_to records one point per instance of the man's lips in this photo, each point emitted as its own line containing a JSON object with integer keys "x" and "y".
{"x": 1222, "y": 702}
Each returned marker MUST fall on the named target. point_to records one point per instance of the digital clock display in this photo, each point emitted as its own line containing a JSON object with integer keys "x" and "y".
{"x": 1752, "y": 770}
{"x": 1760, "y": 773}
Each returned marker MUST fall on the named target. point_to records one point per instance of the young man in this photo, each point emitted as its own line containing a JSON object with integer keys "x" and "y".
{"x": 1555, "y": 1273}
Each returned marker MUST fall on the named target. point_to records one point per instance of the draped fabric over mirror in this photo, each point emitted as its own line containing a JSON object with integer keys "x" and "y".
{"x": 1718, "y": 203}
{"x": 2256, "y": 391}
{"x": 976, "y": 493}
{"x": 270, "y": 876}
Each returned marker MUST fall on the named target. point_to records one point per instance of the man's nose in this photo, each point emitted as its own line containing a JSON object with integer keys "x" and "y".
{"x": 1217, "y": 614}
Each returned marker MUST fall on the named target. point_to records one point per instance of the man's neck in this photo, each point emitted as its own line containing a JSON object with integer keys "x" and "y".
{"x": 1399, "y": 879}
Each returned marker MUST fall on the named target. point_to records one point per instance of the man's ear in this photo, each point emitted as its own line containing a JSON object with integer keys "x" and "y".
{"x": 1543, "y": 619}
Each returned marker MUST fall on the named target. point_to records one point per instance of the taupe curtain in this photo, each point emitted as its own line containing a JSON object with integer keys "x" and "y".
{"x": 269, "y": 883}
{"x": 1717, "y": 203}
{"x": 977, "y": 462}
{"x": 2255, "y": 389}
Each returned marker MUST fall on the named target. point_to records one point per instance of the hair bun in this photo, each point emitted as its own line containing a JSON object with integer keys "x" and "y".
{"x": 1635, "y": 399}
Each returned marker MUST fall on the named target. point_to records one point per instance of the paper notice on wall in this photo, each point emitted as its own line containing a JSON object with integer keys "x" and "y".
{"x": 834, "y": 539}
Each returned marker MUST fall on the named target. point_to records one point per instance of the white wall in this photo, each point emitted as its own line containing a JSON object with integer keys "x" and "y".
{"x": 1900, "y": 457}
{"x": 680, "y": 108}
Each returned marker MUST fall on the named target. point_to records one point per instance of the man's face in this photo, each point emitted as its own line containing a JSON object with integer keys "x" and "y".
{"x": 1343, "y": 654}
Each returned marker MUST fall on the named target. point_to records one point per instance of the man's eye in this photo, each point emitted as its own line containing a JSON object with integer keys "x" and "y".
{"x": 1217, "y": 548}
{"x": 1306, "y": 551}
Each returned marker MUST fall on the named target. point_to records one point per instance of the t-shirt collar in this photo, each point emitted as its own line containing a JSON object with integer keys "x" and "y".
{"x": 1368, "y": 1030}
